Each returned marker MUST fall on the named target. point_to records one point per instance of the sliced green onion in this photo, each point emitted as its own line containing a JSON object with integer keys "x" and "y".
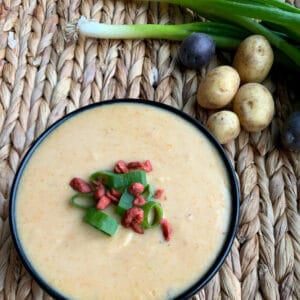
{"x": 124, "y": 203}
{"x": 119, "y": 181}
{"x": 83, "y": 200}
{"x": 153, "y": 213}
{"x": 148, "y": 192}
{"x": 101, "y": 221}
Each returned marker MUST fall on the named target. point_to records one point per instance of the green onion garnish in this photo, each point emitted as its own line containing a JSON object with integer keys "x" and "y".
{"x": 83, "y": 200}
{"x": 153, "y": 213}
{"x": 124, "y": 203}
{"x": 101, "y": 221}
{"x": 115, "y": 188}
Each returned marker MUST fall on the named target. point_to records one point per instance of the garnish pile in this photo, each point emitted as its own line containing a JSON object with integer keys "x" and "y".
{"x": 128, "y": 190}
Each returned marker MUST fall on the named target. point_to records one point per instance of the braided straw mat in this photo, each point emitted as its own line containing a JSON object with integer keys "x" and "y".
{"x": 42, "y": 78}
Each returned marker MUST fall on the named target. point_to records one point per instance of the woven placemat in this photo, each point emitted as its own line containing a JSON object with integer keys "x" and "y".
{"x": 42, "y": 78}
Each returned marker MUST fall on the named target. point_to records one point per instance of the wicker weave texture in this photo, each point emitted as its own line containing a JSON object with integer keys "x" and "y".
{"x": 42, "y": 78}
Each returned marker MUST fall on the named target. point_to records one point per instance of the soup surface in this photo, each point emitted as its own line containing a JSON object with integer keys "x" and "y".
{"x": 83, "y": 263}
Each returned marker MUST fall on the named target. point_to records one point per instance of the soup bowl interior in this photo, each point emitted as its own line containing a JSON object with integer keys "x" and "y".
{"x": 234, "y": 193}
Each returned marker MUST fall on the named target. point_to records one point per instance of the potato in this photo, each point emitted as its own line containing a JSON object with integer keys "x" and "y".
{"x": 218, "y": 88}
{"x": 254, "y": 105}
{"x": 224, "y": 125}
{"x": 253, "y": 59}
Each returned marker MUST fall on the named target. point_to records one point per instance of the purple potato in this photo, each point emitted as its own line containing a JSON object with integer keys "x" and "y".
{"x": 197, "y": 50}
{"x": 291, "y": 132}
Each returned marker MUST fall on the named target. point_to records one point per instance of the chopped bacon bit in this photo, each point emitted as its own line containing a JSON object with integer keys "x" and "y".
{"x": 112, "y": 197}
{"x": 147, "y": 166}
{"x": 116, "y": 193}
{"x": 121, "y": 167}
{"x": 136, "y": 188}
{"x": 97, "y": 183}
{"x": 133, "y": 214}
{"x": 138, "y": 165}
{"x": 99, "y": 192}
{"x": 166, "y": 228}
{"x": 80, "y": 185}
{"x": 137, "y": 228}
{"x": 139, "y": 201}
{"x": 125, "y": 223}
{"x": 103, "y": 202}
{"x": 135, "y": 165}
{"x": 158, "y": 193}
{"x": 117, "y": 170}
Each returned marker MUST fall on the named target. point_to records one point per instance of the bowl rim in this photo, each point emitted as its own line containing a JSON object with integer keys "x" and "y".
{"x": 235, "y": 201}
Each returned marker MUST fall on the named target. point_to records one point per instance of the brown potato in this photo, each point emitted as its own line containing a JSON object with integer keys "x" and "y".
{"x": 224, "y": 125}
{"x": 254, "y": 106}
{"x": 253, "y": 59}
{"x": 218, "y": 88}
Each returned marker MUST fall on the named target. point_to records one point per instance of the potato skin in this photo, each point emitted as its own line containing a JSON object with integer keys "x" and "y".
{"x": 254, "y": 106}
{"x": 253, "y": 59}
{"x": 218, "y": 88}
{"x": 224, "y": 125}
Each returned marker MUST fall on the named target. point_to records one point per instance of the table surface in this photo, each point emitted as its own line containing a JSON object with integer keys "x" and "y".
{"x": 43, "y": 77}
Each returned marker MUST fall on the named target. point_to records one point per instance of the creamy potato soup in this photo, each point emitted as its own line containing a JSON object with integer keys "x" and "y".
{"x": 79, "y": 261}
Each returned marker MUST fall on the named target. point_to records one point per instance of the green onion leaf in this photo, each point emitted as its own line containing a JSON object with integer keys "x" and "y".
{"x": 119, "y": 181}
{"x": 231, "y": 12}
{"x": 101, "y": 221}
{"x": 153, "y": 213}
{"x": 124, "y": 203}
{"x": 83, "y": 200}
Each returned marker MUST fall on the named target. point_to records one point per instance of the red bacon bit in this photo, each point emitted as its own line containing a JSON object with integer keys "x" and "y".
{"x": 97, "y": 183}
{"x": 135, "y": 165}
{"x": 166, "y": 229}
{"x": 99, "y": 192}
{"x": 136, "y": 188}
{"x": 125, "y": 223}
{"x": 147, "y": 166}
{"x": 158, "y": 193}
{"x": 139, "y": 201}
{"x": 133, "y": 215}
{"x": 80, "y": 185}
{"x": 138, "y": 165}
{"x": 116, "y": 193}
{"x": 103, "y": 202}
{"x": 137, "y": 228}
{"x": 121, "y": 167}
{"x": 112, "y": 197}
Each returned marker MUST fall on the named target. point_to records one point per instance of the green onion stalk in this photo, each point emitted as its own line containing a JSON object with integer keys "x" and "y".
{"x": 214, "y": 9}
{"x": 226, "y": 36}
{"x": 231, "y": 22}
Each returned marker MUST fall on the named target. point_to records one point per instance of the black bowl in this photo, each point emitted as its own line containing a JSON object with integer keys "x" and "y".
{"x": 231, "y": 174}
